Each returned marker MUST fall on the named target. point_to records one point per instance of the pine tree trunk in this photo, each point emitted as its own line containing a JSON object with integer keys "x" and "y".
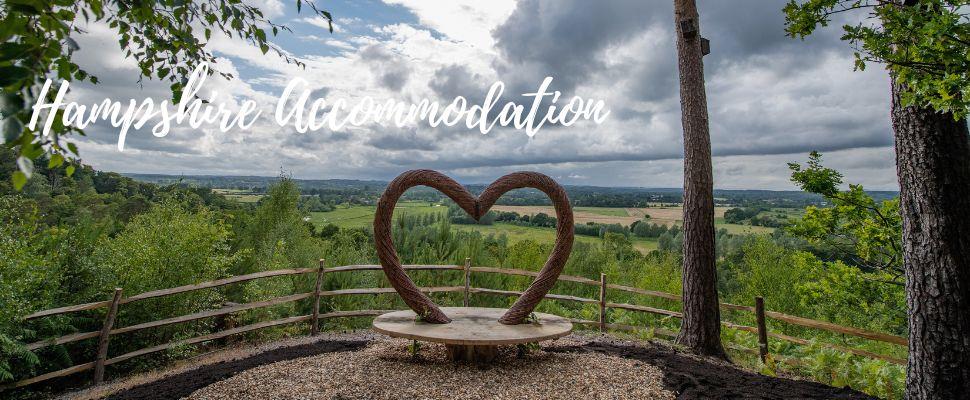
{"x": 933, "y": 164}
{"x": 700, "y": 329}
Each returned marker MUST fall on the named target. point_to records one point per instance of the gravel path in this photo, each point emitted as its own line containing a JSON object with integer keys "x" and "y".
{"x": 185, "y": 377}
{"x": 362, "y": 365}
{"x": 386, "y": 370}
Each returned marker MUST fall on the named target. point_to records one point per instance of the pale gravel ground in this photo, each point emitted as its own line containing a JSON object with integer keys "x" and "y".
{"x": 386, "y": 370}
{"x": 235, "y": 352}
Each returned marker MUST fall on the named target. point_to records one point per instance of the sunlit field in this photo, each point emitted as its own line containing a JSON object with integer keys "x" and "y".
{"x": 242, "y": 196}
{"x": 352, "y": 216}
{"x": 356, "y": 216}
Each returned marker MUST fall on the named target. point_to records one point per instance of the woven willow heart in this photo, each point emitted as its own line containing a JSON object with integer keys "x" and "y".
{"x": 476, "y": 207}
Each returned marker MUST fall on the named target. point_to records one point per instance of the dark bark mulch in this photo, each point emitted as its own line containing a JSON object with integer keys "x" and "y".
{"x": 184, "y": 383}
{"x": 694, "y": 378}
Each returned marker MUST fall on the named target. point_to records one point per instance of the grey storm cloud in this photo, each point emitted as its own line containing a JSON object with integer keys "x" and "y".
{"x": 745, "y": 28}
{"x": 315, "y": 139}
{"x": 319, "y": 93}
{"x": 457, "y": 80}
{"x": 392, "y": 70}
{"x": 404, "y": 139}
{"x": 564, "y": 39}
{"x": 759, "y": 100}
{"x": 772, "y": 99}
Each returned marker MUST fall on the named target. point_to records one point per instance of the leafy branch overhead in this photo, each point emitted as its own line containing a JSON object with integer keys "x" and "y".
{"x": 166, "y": 38}
{"x": 855, "y": 226}
{"x": 923, "y": 43}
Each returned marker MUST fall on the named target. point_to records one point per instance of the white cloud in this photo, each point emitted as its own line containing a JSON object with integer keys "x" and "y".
{"x": 318, "y": 22}
{"x": 270, "y": 8}
{"x": 467, "y": 21}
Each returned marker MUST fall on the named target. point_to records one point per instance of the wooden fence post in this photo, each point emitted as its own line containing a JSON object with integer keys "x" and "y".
{"x": 109, "y": 321}
{"x": 759, "y": 309}
{"x": 315, "y": 320}
{"x": 602, "y": 302}
{"x": 468, "y": 280}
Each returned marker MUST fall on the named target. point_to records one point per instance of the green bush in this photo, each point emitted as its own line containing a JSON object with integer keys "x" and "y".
{"x": 167, "y": 246}
{"x": 27, "y": 282}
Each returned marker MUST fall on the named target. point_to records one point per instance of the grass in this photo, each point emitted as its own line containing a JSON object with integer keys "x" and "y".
{"x": 240, "y": 195}
{"x": 607, "y": 211}
{"x": 517, "y": 233}
{"x": 348, "y": 216}
{"x": 741, "y": 229}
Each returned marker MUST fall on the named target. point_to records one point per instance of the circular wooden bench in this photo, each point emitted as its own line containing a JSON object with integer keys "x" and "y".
{"x": 474, "y": 333}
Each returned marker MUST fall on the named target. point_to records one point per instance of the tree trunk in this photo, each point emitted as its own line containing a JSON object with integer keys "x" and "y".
{"x": 700, "y": 329}
{"x": 933, "y": 164}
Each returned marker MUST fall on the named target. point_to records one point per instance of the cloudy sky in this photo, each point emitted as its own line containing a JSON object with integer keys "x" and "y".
{"x": 772, "y": 99}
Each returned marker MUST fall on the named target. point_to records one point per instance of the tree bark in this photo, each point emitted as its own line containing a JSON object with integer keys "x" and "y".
{"x": 933, "y": 165}
{"x": 700, "y": 329}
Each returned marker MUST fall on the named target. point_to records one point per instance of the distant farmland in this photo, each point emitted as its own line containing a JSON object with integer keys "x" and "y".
{"x": 242, "y": 196}
{"x": 363, "y": 216}
{"x": 668, "y": 216}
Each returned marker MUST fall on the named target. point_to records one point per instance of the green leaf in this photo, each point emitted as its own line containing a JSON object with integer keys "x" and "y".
{"x": 12, "y": 129}
{"x": 19, "y": 180}
{"x": 63, "y": 69}
{"x": 30, "y": 149}
{"x": 25, "y": 8}
{"x": 12, "y": 51}
{"x": 11, "y": 74}
{"x": 69, "y": 170}
{"x": 10, "y": 104}
{"x": 55, "y": 161}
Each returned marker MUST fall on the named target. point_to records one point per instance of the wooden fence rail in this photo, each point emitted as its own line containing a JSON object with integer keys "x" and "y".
{"x": 791, "y": 319}
{"x": 107, "y": 330}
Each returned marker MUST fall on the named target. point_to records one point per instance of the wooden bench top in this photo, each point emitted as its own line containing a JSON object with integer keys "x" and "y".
{"x": 472, "y": 326}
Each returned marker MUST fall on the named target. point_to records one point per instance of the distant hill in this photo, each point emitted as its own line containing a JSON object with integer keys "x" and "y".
{"x": 367, "y": 191}
{"x": 255, "y": 183}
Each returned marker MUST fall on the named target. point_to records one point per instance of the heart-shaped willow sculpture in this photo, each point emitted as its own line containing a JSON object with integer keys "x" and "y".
{"x": 476, "y": 207}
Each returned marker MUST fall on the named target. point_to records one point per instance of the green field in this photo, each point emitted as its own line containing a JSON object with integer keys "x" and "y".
{"x": 363, "y": 216}
{"x": 607, "y": 211}
{"x": 242, "y": 196}
{"x": 789, "y": 212}
{"x": 516, "y": 233}
{"x": 346, "y": 216}
{"x": 739, "y": 228}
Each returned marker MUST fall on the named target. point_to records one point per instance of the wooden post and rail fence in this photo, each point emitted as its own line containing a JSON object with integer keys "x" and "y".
{"x": 113, "y": 304}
